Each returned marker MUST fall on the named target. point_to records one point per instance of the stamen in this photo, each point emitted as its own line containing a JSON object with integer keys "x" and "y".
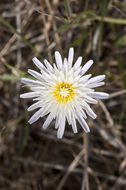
{"x": 64, "y": 92}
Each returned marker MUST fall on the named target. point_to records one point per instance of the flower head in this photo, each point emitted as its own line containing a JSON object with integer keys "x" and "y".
{"x": 63, "y": 92}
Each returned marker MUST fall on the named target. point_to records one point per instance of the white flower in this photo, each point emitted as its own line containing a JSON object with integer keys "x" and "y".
{"x": 63, "y": 92}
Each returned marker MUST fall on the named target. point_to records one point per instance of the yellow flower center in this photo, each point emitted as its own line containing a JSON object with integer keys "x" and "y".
{"x": 63, "y": 92}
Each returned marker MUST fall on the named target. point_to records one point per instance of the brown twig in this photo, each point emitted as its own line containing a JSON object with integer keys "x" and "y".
{"x": 85, "y": 182}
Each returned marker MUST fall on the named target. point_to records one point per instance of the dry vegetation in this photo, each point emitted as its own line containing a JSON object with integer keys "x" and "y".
{"x": 33, "y": 159}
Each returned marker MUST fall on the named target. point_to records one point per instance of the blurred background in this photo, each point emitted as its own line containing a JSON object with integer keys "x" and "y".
{"x": 33, "y": 159}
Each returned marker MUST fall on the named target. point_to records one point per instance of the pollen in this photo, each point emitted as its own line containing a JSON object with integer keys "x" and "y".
{"x": 63, "y": 92}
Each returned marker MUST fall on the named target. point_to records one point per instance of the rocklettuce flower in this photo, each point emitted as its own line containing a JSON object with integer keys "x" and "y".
{"x": 63, "y": 92}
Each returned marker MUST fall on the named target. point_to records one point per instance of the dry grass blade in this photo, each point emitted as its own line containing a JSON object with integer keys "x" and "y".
{"x": 71, "y": 167}
{"x": 107, "y": 114}
{"x": 119, "y": 93}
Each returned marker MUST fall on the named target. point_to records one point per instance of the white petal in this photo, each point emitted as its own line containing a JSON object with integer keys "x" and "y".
{"x": 65, "y": 65}
{"x": 83, "y": 124}
{"x": 55, "y": 68}
{"x": 45, "y": 112}
{"x": 75, "y": 80}
{"x": 97, "y": 79}
{"x": 85, "y": 90}
{"x": 94, "y": 85}
{"x": 30, "y": 95}
{"x": 78, "y": 71}
{"x": 30, "y": 82}
{"x": 74, "y": 126}
{"x": 48, "y": 65}
{"x": 48, "y": 121}
{"x": 38, "y": 63}
{"x": 84, "y": 78}
{"x": 69, "y": 117}
{"x": 36, "y": 99}
{"x": 37, "y": 88}
{"x": 61, "y": 128}
{"x": 34, "y": 106}
{"x": 58, "y": 59}
{"x": 35, "y": 74}
{"x": 86, "y": 67}
{"x": 89, "y": 111}
{"x": 65, "y": 62}
{"x": 99, "y": 95}
{"x": 46, "y": 76}
{"x": 77, "y": 63}
{"x": 57, "y": 122}
{"x": 81, "y": 112}
{"x": 70, "y": 57}
{"x": 36, "y": 116}
{"x": 90, "y": 100}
